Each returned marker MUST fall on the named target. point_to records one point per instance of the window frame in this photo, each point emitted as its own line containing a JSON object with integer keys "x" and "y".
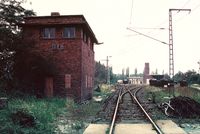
{"x": 70, "y": 33}
{"x": 49, "y": 32}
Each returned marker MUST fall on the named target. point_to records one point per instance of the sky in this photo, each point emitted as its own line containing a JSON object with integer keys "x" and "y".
{"x": 109, "y": 20}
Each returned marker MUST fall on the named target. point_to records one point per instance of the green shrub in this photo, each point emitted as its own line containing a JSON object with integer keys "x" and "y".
{"x": 45, "y": 112}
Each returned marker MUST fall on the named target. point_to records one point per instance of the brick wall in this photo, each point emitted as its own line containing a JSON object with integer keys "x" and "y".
{"x": 87, "y": 70}
{"x": 74, "y": 60}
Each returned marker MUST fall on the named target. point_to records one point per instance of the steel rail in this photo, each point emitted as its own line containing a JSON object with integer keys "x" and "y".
{"x": 115, "y": 113}
{"x": 158, "y": 130}
{"x": 121, "y": 94}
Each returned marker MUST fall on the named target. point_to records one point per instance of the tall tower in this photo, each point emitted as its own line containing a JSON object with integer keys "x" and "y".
{"x": 171, "y": 49}
{"x": 146, "y": 73}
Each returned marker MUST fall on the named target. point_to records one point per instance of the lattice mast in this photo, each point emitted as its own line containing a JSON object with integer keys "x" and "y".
{"x": 171, "y": 49}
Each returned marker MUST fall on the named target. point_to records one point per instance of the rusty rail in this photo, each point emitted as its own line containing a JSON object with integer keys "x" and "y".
{"x": 115, "y": 113}
{"x": 158, "y": 130}
{"x": 120, "y": 95}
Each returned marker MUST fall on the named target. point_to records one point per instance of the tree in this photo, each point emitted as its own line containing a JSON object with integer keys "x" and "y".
{"x": 135, "y": 71}
{"x": 156, "y": 72}
{"x": 190, "y": 76}
{"x": 12, "y": 13}
{"x": 127, "y": 72}
{"x": 11, "y": 44}
{"x": 179, "y": 76}
{"x": 100, "y": 73}
{"x": 123, "y": 73}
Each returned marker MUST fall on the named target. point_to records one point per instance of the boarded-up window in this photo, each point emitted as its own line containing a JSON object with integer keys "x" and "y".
{"x": 89, "y": 81}
{"x": 67, "y": 80}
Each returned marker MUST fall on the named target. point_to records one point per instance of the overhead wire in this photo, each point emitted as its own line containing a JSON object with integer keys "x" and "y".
{"x": 196, "y": 7}
{"x": 167, "y": 20}
{"x": 192, "y": 11}
{"x": 131, "y": 12}
{"x": 186, "y": 3}
{"x": 157, "y": 26}
{"x": 148, "y": 36}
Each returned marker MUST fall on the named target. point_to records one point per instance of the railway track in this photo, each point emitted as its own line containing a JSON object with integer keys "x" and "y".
{"x": 125, "y": 106}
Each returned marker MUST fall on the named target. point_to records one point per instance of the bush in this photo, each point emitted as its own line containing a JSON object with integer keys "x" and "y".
{"x": 44, "y": 111}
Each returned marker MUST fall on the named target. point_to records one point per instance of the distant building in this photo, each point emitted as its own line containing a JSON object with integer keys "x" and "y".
{"x": 70, "y": 41}
{"x": 136, "y": 80}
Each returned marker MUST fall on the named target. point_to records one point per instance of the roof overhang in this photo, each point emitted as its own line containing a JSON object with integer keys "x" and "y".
{"x": 82, "y": 23}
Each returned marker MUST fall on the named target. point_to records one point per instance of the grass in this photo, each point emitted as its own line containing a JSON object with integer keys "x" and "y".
{"x": 82, "y": 111}
{"x": 189, "y": 92}
{"x": 157, "y": 93}
{"x": 164, "y": 94}
{"x": 105, "y": 91}
{"x": 50, "y": 113}
{"x": 79, "y": 116}
{"x": 45, "y": 112}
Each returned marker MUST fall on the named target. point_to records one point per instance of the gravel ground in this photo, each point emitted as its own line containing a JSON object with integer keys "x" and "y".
{"x": 191, "y": 125}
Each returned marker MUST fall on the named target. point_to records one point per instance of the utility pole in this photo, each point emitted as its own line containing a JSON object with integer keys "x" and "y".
{"x": 171, "y": 47}
{"x": 171, "y": 50}
{"x": 199, "y": 66}
{"x": 108, "y": 70}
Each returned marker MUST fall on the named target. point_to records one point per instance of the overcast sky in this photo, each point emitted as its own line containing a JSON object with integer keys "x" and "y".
{"x": 109, "y": 20}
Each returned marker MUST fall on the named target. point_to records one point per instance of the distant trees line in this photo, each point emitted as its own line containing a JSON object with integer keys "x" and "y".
{"x": 191, "y": 76}
{"x": 101, "y": 74}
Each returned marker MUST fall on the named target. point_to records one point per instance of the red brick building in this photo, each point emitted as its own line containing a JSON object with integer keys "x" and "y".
{"x": 70, "y": 41}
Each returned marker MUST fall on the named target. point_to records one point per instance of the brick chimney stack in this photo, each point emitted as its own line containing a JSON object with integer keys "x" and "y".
{"x": 146, "y": 73}
{"x": 55, "y": 14}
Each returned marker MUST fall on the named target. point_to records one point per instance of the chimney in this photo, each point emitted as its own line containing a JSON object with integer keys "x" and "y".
{"x": 55, "y": 14}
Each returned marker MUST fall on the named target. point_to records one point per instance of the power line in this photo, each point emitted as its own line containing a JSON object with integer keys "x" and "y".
{"x": 195, "y": 8}
{"x": 166, "y": 20}
{"x": 131, "y": 12}
{"x": 154, "y": 28}
{"x": 186, "y": 3}
{"x": 148, "y": 36}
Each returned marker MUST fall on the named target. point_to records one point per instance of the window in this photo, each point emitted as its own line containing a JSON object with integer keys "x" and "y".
{"x": 84, "y": 37}
{"x": 69, "y": 32}
{"x": 88, "y": 81}
{"x": 49, "y": 32}
{"x": 89, "y": 41}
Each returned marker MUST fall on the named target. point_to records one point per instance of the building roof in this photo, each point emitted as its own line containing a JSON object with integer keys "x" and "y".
{"x": 56, "y": 19}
